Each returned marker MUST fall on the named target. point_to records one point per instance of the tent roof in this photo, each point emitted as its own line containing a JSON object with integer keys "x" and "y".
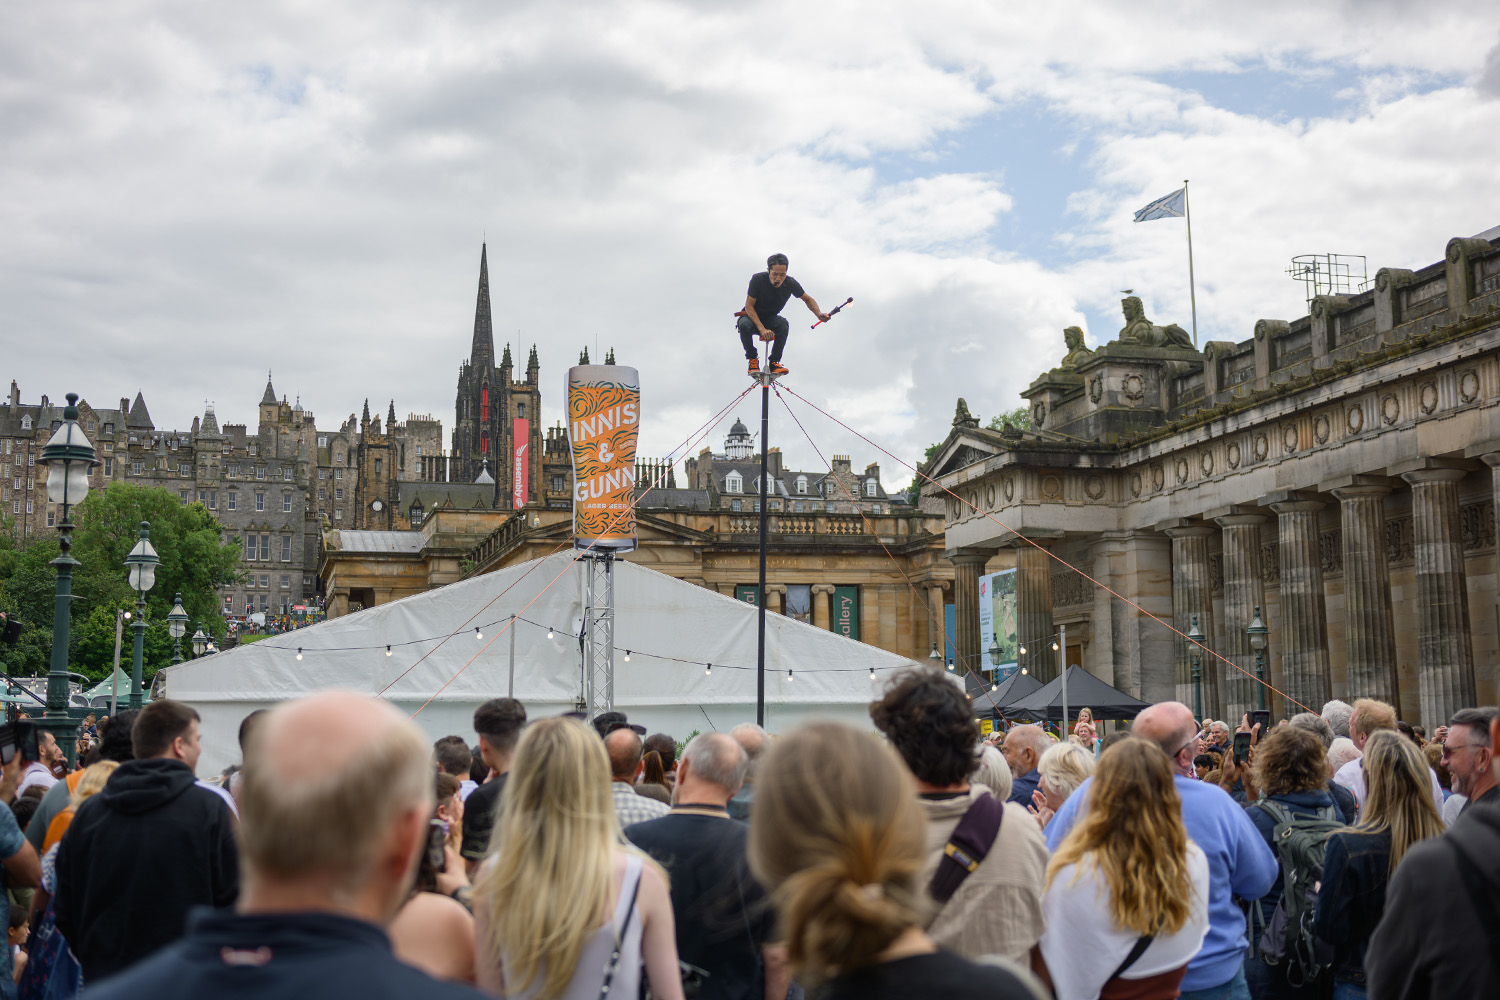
{"x": 440, "y": 671}
{"x": 103, "y": 688}
{"x": 1084, "y": 689}
{"x": 1013, "y": 688}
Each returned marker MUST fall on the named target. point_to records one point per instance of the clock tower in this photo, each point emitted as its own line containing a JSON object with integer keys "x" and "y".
{"x": 378, "y": 463}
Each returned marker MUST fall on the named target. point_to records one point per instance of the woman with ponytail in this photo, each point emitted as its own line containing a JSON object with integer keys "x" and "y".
{"x": 1127, "y": 892}
{"x": 837, "y": 839}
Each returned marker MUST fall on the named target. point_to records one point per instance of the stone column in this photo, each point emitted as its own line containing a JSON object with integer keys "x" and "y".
{"x": 886, "y": 620}
{"x": 820, "y": 594}
{"x": 774, "y": 595}
{"x": 968, "y": 563}
{"x": 1244, "y": 591}
{"x": 1192, "y": 594}
{"x": 1034, "y": 610}
{"x": 939, "y": 619}
{"x": 1369, "y": 639}
{"x": 1304, "y": 620}
{"x": 1445, "y": 656}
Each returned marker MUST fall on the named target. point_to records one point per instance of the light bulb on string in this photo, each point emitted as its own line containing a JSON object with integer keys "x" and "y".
{"x": 1024, "y": 670}
{"x": 708, "y": 670}
{"x": 388, "y": 651}
{"x": 627, "y": 656}
{"x": 789, "y": 676}
{"x": 994, "y": 686}
{"x": 299, "y": 652}
{"x": 1023, "y": 650}
{"x": 872, "y": 673}
{"x": 1054, "y": 645}
{"x": 478, "y": 634}
{"x": 549, "y": 631}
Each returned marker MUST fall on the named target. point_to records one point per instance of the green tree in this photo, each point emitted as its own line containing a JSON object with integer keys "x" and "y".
{"x": 1020, "y": 418}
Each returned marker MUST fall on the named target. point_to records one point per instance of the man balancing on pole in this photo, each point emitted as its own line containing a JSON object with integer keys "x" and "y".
{"x": 768, "y": 293}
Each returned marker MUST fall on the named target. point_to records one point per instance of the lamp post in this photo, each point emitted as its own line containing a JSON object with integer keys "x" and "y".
{"x": 934, "y": 655}
{"x": 68, "y": 457}
{"x": 200, "y": 642}
{"x": 141, "y": 562}
{"x": 176, "y": 625}
{"x": 1196, "y": 636}
{"x": 1257, "y": 631}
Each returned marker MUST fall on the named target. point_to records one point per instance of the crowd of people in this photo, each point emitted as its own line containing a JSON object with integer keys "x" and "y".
{"x": 1337, "y": 855}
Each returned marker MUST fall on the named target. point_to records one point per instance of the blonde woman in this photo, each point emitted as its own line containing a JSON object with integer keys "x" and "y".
{"x": 1398, "y": 812}
{"x": 1127, "y": 892}
{"x": 90, "y": 784}
{"x": 837, "y": 839}
{"x": 1062, "y": 769}
{"x": 562, "y": 908}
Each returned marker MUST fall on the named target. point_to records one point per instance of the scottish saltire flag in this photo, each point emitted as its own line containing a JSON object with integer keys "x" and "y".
{"x": 1169, "y": 206}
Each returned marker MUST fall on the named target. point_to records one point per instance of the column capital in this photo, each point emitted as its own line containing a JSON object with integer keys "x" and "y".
{"x": 943, "y": 585}
{"x": 1360, "y": 490}
{"x": 1237, "y": 520}
{"x": 822, "y": 588}
{"x": 1298, "y": 506}
{"x": 968, "y": 556}
{"x": 776, "y": 588}
{"x": 1184, "y": 529}
{"x": 1492, "y": 459}
{"x": 1419, "y": 477}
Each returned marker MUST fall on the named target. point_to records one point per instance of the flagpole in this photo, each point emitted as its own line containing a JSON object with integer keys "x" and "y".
{"x": 1192, "y": 283}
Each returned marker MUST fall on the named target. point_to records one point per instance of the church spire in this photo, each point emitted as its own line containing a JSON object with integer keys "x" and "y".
{"x": 482, "y": 354}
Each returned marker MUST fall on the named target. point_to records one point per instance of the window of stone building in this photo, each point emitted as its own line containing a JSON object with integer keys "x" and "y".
{"x": 322, "y": 473}
{"x": 264, "y": 603}
{"x": 322, "y": 440}
{"x": 109, "y": 467}
{"x": 286, "y": 549}
{"x": 136, "y": 468}
{"x": 28, "y": 506}
{"x": 797, "y": 507}
{"x": 869, "y": 487}
{"x": 733, "y": 483}
{"x": 15, "y": 506}
{"x": 339, "y": 458}
{"x": 109, "y": 447}
{"x": 231, "y": 500}
{"x": 322, "y": 494}
{"x": 260, "y": 501}
{"x": 419, "y": 451}
{"x": 232, "y": 470}
{"x": 31, "y": 482}
{"x": 183, "y": 494}
{"x": 18, "y": 482}
{"x": 265, "y": 581}
{"x": 757, "y": 506}
{"x": 734, "y": 505}
{"x": 51, "y": 517}
{"x": 338, "y": 473}
{"x": 377, "y": 467}
{"x": 253, "y": 448}
{"x": 484, "y": 402}
{"x": 521, "y": 411}
{"x": 203, "y": 497}
{"x": 286, "y": 581}
{"x": 249, "y": 546}
{"x": 484, "y": 444}
{"x": 9, "y": 445}
{"x": 558, "y": 484}
{"x": 260, "y": 472}
{"x": 26, "y": 422}
{"x": 338, "y": 515}
{"x": 286, "y": 473}
{"x": 265, "y": 548}
{"x": 802, "y": 486}
{"x": 338, "y": 493}
{"x": 876, "y": 508}
{"x": 286, "y": 503}
{"x": 213, "y": 499}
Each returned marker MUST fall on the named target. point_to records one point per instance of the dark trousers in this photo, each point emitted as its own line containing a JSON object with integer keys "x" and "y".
{"x": 749, "y": 335}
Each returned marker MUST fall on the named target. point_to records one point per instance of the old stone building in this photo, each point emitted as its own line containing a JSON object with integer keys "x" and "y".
{"x": 1338, "y": 471}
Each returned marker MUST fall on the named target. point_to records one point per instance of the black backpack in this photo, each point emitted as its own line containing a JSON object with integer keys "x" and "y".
{"x": 1288, "y": 939}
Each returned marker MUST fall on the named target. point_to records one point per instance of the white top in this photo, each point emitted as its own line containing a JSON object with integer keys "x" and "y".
{"x": 36, "y": 773}
{"x": 1453, "y": 807}
{"x": 1352, "y": 777}
{"x": 593, "y": 961}
{"x": 464, "y": 788}
{"x": 1082, "y": 945}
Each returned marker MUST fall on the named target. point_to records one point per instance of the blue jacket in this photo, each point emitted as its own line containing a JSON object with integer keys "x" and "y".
{"x": 1022, "y": 787}
{"x": 313, "y": 955}
{"x": 1352, "y": 898}
{"x": 1304, "y": 804}
{"x": 1239, "y": 864}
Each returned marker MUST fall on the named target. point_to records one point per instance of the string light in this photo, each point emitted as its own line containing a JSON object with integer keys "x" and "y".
{"x": 627, "y": 656}
{"x": 994, "y": 686}
{"x": 549, "y": 631}
{"x": 387, "y": 651}
{"x": 1023, "y": 650}
{"x": 299, "y": 652}
{"x": 872, "y": 673}
{"x": 1054, "y": 646}
{"x": 708, "y": 670}
{"x": 478, "y": 634}
{"x": 789, "y": 676}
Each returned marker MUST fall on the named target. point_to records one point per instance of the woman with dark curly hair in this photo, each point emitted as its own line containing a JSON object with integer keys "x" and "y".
{"x": 1291, "y": 772}
{"x": 997, "y": 908}
{"x": 838, "y": 841}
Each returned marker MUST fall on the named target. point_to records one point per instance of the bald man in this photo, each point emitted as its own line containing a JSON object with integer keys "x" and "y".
{"x": 1023, "y": 749}
{"x": 1239, "y": 862}
{"x": 336, "y": 798}
{"x": 625, "y": 751}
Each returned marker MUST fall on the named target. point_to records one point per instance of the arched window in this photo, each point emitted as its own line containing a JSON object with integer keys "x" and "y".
{"x": 484, "y": 444}
{"x": 484, "y": 403}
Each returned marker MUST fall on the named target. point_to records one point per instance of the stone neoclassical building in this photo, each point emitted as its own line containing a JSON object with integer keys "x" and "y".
{"x": 1339, "y": 471}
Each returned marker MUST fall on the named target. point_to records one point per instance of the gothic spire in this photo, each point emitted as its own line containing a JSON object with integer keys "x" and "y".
{"x": 609, "y": 358}
{"x": 268, "y": 398}
{"x": 482, "y": 354}
{"x": 505, "y": 360}
{"x": 583, "y": 357}
{"x": 390, "y": 419}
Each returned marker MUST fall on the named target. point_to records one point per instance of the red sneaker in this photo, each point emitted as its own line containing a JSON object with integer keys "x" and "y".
{"x": 754, "y": 366}
{"x": 777, "y": 369}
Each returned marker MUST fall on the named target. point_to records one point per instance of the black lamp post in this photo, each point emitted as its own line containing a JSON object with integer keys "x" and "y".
{"x": 1196, "y": 636}
{"x": 141, "y": 562}
{"x": 176, "y": 625}
{"x": 1258, "y": 632}
{"x": 68, "y": 457}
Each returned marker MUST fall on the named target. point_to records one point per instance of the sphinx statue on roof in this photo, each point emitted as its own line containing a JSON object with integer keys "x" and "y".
{"x": 1141, "y": 332}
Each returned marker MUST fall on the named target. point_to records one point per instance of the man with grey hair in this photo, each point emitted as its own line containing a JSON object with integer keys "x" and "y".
{"x": 1023, "y": 749}
{"x": 337, "y": 793}
{"x": 1340, "y": 752}
{"x": 1337, "y": 714}
{"x": 753, "y": 740}
{"x": 1319, "y": 727}
{"x": 724, "y": 924}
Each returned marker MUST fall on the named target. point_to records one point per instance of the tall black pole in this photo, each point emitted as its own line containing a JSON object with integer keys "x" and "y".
{"x": 760, "y": 595}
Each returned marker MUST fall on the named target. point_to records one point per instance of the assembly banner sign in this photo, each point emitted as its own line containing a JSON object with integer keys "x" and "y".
{"x": 519, "y": 479}
{"x": 997, "y": 622}
{"x": 604, "y": 418}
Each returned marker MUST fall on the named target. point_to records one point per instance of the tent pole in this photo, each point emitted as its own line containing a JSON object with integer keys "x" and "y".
{"x": 760, "y": 593}
{"x": 1062, "y": 662}
{"x": 510, "y": 688}
{"x": 114, "y": 677}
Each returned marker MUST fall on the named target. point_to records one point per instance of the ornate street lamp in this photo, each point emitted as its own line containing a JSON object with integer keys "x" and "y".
{"x": 1196, "y": 636}
{"x": 141, "y": 562}
{"x": 176, "y": 625}
{"x": 1258, "y": 632}
{"x": 934, "y": 655}
{"x": 994, "y": 652}
{"x": 200, "y": 642}
{"x": 68, "y": 457}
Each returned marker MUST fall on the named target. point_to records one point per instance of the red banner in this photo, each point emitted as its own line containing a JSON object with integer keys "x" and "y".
{"x": 521, "y": 438}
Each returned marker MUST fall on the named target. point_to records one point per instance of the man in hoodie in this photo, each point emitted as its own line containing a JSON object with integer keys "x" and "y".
{"x": 1442, "y": 913}
{"x": 151, "y": 846}
{"x": 337, "y": 795}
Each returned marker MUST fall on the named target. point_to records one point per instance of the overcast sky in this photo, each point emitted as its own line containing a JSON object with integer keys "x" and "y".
{"x": 191, "y": 194}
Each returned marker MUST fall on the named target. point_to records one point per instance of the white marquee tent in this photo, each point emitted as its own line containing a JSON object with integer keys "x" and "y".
{"x": 671, "y": 629}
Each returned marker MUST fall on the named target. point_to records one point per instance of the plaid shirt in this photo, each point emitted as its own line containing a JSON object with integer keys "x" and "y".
{"x": 633, "y": 808}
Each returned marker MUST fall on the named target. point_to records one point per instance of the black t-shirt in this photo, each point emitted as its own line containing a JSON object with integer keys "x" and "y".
{"x": 722, "y": 914}
{"x": 480, "y": 811}
{"x": 769, "y": 298}
{"x": 940, "y": 974}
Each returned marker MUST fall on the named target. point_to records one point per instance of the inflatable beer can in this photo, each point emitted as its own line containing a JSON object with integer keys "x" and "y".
{"x": 604, "y": 419}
